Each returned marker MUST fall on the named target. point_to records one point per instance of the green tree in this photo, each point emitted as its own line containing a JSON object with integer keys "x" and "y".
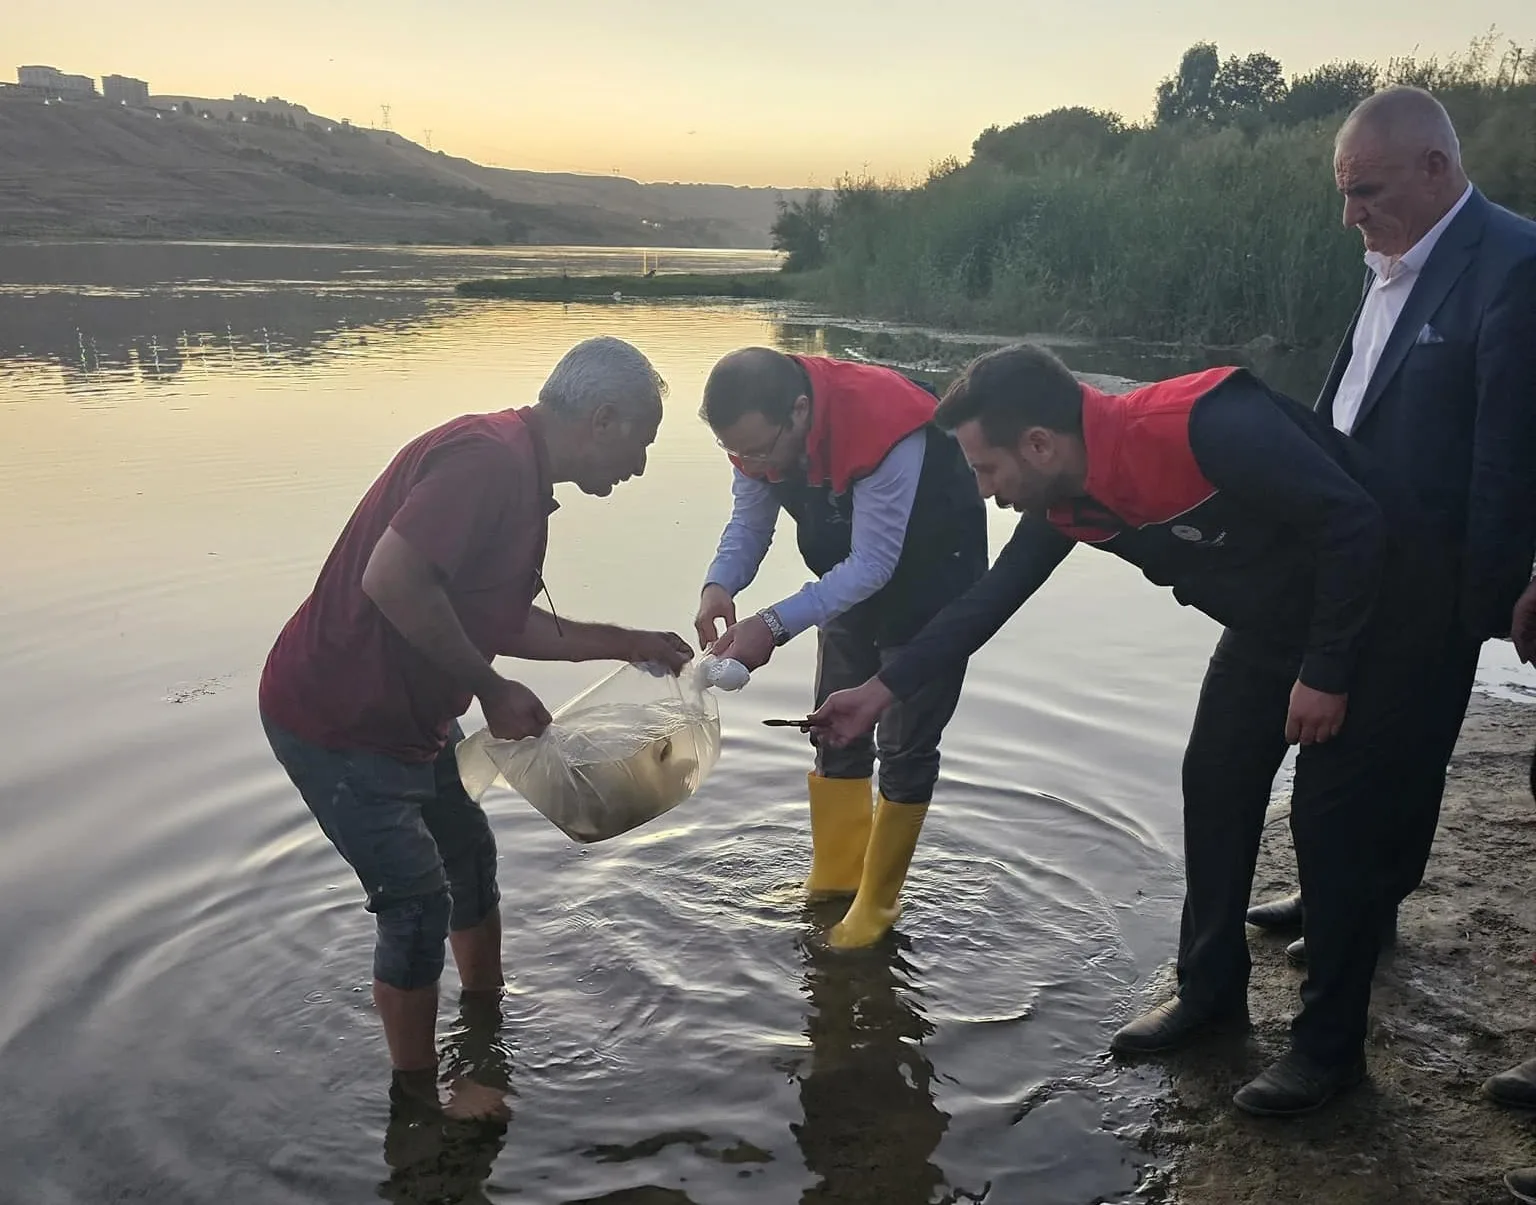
{"x": 1254, "y": 85}
{"x": 801, "y": 231}
{"x": 1073, "y": 135}
{"x": 1189, "y": 95}
{"x": 1328, "y": 90}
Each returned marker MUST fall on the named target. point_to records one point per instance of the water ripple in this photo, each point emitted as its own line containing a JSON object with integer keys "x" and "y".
{"x": 187, "y": 965}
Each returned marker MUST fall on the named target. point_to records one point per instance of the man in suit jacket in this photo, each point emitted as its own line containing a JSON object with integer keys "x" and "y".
{"x": 1437, "y": 377}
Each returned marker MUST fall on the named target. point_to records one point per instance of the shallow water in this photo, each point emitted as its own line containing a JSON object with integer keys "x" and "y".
{"x": 186, "y": 962}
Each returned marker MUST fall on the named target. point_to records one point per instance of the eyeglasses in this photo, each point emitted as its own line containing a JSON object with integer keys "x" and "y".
{"x": 759, "y": 457}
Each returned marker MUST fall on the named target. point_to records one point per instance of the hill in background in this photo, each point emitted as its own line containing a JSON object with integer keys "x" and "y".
{"x": 190, "y": 167}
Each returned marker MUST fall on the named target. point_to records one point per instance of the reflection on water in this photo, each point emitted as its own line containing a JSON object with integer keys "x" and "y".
{"x": 187, "y": 960}
{"x": 141, "y": 312}
{"x": 871, "y": 1126}
{"x": 98, "y": 343}
{"x": 144, "y": 312}
{"x": 433, "y": 1157}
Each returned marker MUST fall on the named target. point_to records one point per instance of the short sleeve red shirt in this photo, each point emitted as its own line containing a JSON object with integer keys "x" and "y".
{"x": 474, "y": 497}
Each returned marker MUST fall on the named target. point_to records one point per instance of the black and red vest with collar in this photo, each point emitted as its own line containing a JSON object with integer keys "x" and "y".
{"x": 1142, "y": 471}
{"x": 1147, "y": 501}
{"x": 859, "y": 412}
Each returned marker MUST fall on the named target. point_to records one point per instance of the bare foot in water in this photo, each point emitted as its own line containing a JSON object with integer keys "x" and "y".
{"x": 415, "y": 1090}
{"x": 468, "y": 1100}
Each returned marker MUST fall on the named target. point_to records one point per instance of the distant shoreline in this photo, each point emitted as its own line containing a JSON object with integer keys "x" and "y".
{"x": 74, "y": 238}
{"x": 66, "y": 239}
{"x": 768, "y": 285}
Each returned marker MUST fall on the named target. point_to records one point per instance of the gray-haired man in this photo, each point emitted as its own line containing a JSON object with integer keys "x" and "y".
{"x": 434, "y": 575}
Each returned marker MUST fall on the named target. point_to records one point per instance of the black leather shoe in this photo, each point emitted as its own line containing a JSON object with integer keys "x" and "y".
{"x": 1515, "y": 1087}
{"x": 1274, "y": 915}
{"x": 1296, "y": 952}
{"x": 1173, "y": 1024}
{"x": 1522, "y": 1184}
{"x": 1294, "y": 1085}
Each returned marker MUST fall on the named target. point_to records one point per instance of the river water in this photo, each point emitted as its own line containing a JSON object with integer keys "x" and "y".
{"x": 183, "y": 431}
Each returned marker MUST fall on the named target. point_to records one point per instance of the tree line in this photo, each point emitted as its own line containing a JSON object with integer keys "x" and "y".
{"x": 1215, "y": 221}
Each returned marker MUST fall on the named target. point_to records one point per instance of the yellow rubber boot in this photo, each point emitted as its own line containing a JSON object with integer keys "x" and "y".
{"x": 841, "y": 811}
{"x": 891, "y": 843}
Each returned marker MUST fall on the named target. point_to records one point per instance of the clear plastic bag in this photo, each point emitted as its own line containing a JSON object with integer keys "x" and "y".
{"x": 626, "y": 750}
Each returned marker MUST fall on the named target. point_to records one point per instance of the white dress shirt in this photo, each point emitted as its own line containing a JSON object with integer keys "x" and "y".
{"x": 1384, "y": 302}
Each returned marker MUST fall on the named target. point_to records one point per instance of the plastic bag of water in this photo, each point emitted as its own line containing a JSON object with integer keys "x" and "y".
{"x": 626, "y": 750}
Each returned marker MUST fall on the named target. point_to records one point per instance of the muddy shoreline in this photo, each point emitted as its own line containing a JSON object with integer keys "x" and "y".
{"x": 1454, "y": 1004}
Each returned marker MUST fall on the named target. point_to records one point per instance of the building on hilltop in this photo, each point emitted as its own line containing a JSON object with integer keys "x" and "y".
{"x": 51, "y": 82}
{"x": 125, "y": 90}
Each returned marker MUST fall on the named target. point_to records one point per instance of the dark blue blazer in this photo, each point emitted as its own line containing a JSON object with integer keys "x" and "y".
{"x": 1451, "y": 407}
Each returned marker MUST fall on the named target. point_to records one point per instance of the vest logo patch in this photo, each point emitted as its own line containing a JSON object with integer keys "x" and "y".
{"x": 1193, "y": 535}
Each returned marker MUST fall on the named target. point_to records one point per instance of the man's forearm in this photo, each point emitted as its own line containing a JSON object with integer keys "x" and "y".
{"x": 950, "y": 637}
{"x": 747, "y": 537}
{"x": 844, "y": 586}
{"x": 422, "y": 613}
{"x": 882, "y": 507}
{"x": 542, "y": 640}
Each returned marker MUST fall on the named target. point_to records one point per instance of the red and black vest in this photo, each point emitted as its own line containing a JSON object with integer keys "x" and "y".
{"x": 1148, "y": 502}
{"x": 1142, "y": 472}
{"x": 859, "y": 412}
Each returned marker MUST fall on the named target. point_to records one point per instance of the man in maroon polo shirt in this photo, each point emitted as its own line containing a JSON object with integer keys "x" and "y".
{"x": 434, "y": 576}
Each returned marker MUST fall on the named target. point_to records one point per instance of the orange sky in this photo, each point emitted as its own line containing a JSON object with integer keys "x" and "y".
{"x": 791, "y": 93}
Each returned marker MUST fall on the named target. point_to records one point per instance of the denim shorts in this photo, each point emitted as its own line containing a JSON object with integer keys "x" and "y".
{"x": 421, "y": 848}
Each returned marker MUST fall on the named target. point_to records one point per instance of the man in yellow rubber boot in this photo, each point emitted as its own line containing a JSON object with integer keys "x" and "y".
{"x": 888, "y": 517}
{"x": 1321, "y": 569}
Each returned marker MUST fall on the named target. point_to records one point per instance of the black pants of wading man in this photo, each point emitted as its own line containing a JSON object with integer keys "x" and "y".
{"x": 1349, "y": 794}
{"x": 907, "y": 737}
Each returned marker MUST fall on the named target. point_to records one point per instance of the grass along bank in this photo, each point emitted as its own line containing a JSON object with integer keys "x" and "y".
{"x": 1215, "y": 223}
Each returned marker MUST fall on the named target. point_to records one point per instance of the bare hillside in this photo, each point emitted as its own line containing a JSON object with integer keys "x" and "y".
{"x": 192, "y": 167}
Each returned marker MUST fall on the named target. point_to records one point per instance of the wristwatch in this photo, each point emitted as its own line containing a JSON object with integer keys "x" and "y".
{"x": 775, "y": 625}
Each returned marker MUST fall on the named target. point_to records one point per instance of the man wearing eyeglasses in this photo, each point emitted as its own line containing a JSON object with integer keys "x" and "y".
{"x": 888, "y": 518}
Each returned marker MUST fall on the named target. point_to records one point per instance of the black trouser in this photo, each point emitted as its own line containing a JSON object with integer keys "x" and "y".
{"x": 1444, "y": 708}
{"x": 1350, "y": 792}
{"x": 907, "y": 736}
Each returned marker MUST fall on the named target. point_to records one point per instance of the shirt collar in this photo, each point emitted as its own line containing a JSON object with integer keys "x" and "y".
{"x": 1412, "y": 261}
{"x": 535, "y": 426}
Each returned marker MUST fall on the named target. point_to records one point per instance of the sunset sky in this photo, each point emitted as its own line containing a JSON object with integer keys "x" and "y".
{"x": 789, "y": 93}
